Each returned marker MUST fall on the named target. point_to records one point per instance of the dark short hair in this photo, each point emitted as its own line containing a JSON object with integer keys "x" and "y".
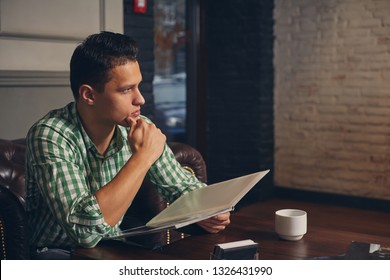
{"x": 96, "y": 55}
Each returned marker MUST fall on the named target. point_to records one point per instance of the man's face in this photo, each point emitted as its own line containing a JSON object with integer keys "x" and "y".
{"x": 120, "y": 98}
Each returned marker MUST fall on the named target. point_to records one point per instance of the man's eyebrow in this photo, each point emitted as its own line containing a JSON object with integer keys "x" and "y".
{"x": 123, "y": 87}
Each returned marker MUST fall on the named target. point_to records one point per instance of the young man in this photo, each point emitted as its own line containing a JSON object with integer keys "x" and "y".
{"x": 86, "y": 162}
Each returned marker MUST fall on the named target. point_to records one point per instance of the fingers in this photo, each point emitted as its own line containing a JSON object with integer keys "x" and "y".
{"x": 146, "y": 139}
{"x": 132, "y": 123}
{"x": 135, "y": 125}
{"x": 211, "y": 227}
{"x": 222, "y": 217}
{"x": 216, "y": 224}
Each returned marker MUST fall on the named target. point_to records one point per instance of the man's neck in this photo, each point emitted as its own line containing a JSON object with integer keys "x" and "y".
{"x": 101, "y": 141}
{"x": 100, "y": 134}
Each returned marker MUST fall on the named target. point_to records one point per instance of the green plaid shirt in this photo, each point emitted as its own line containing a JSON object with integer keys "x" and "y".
{"x": 64, "y": 170}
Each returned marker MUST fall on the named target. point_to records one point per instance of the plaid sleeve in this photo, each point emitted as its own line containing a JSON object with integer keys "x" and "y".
{"x": 170, "y": 178}
{"x": 61, "y": 179}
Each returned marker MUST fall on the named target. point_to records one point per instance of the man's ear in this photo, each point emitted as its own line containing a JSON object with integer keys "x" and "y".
{"x": 87, "y": 94}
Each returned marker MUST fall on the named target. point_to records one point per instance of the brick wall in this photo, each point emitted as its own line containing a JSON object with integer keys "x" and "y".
{"x": 332, "y": 96}
{"x": 240, "y": 90}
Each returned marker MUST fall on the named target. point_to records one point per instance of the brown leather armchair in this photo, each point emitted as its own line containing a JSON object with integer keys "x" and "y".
{"x": 14, "y": 232}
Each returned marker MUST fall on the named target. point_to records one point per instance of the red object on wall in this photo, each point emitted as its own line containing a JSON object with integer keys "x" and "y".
{"x": 140, "y": 6}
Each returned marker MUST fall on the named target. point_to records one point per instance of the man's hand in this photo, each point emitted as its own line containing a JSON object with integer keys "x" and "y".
{"x": 146, "y": 138}
{"x": 215, "y": 224}
{"x": 147, "y": 143}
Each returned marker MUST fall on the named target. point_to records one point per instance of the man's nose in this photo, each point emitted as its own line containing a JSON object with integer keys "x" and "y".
{"x": 139, "y": 99}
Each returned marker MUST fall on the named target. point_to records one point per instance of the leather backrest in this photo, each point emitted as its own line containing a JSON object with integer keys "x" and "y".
{"x": 14, "y": 228}
{"x": 12, "y": 162}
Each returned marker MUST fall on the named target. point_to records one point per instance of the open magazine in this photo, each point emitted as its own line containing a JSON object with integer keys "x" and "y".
{"x": 198, "y": 205}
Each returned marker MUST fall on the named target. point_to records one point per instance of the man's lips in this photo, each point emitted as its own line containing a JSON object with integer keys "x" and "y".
{"x": 136, "y": 114}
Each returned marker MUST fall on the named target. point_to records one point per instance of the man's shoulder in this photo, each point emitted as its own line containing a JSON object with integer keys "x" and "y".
{"x": 62, "y": 121}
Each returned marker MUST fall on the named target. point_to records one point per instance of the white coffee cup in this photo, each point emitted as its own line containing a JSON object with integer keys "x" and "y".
{"x": 291, "y": 224}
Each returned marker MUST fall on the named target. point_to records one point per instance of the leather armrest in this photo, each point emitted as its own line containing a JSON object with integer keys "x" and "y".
{"x": 190, "y": 157}
{"x": 14, "y": 227}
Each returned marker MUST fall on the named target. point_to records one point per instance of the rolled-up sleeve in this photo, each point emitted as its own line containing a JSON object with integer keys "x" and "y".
{"x": 170, "y": 178}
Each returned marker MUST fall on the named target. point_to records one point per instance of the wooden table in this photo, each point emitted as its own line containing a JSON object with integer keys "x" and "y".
{"x": 331, "y": 229}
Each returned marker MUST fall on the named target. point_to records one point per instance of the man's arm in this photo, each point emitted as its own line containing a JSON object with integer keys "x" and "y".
{"x": 147, "y": 143}
{"x": 56, "y": 173}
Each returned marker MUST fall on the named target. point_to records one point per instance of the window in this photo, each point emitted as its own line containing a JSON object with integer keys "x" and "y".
{"x": 169, "y": 84}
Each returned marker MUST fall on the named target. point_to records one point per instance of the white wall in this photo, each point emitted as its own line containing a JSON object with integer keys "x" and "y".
{"x": 37, "y": 38}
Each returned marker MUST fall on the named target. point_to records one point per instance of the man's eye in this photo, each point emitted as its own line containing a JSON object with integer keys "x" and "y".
{"x": 126, "y": 90}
